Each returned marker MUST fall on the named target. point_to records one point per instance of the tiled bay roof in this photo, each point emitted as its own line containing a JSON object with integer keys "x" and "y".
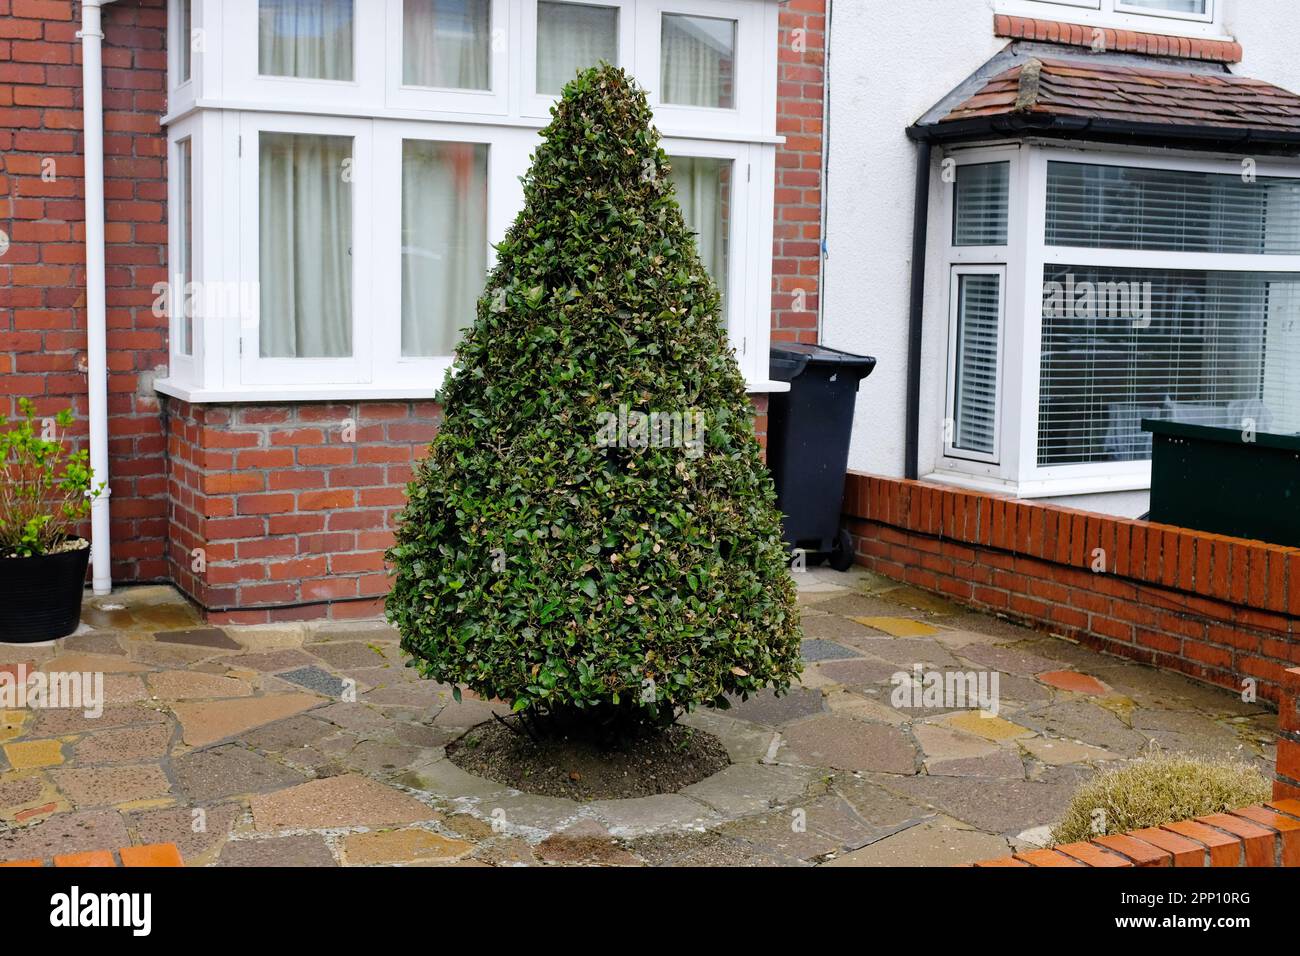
{"x": 1039, "y": 89}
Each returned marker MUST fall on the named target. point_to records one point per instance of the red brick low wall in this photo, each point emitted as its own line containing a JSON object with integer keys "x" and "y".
{"x": 1286, "y": 786}
{"x": 283, "y": 512}
{"x": 291, "y": 507}
{"x": 1215, "y": 608}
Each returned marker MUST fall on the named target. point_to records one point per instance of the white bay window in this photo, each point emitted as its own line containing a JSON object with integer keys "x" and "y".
{"x": 351, "y": 169}
{"x": 1090, "y": 290}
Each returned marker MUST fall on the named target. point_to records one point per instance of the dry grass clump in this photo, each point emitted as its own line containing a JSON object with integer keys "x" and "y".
{"x": 1162, "y": 788}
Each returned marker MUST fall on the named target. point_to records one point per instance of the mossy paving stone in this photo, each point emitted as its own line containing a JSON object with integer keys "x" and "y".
{"x": 860, "y": 673}
{"x": 288, "y": 734}
{"x": 199, "y": 637}
{"x": 906, "y": 652}
{"x": 383, "y": 758}
{"x": 644, "y": 814}
{"x": 102, "y": 786}
{"x": 767, "y": 708}
{"x": 1002, "y": 764}
{"x": 346, "y": 654}
{"x": 782, "y": 834}
{"x": 348, "y": 800}
{"x": 934, "y": 843}
{"x": 412, "y": 845}
{"x": 1003, "y": 658}
{"x": 418, "y": 693}
{"x": 1019, "y": 803}
{"x": 124, "y": 745}
{"x": 75, "y": 832}
{"x": 205, "y": 722}
{"x": 833, "y": 627}
{"x": 1085, "y": 721}
{"x": 847, "y": 744}
{"x": 193, "y": 685}
{"x": 860, "y": 605}
{"x": 742, "y": 789}
{"x": 229, "y": 770}
{"x": 198, "y": 837}
{"x": 307, "y": 849}
{"x": 815, "y": 649}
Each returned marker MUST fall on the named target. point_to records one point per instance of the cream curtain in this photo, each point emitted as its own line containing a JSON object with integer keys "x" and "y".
{"x": 444, "y": 242}
{"x": 703, "y": 188}
{"x": 309, "y": 39}
{"x": 572, "y": 37}
{"x": 305, "y": 238}
{"x": 697, "y": 61}
{"x": 447, "y": 44}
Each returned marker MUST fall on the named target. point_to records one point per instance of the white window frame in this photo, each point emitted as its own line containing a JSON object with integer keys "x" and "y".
{"x": 748, "y": 97}
{"x": 539, "y": 104}
{"x": 950, "y": 448}
{"x": 493, "y": 101}
{"x": 184, "y": 364}
{"x": 229, "y": 110}
{"x": 355, "y": 369}
{"x": 507, "y": 161}
{"x": 239, "y": 55}
{"x": 1119, "y": 15}
{"x": 1026, "y": 256}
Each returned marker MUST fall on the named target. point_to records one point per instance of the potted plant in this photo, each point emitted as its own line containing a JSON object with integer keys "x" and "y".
{"x": 44, "y": 492}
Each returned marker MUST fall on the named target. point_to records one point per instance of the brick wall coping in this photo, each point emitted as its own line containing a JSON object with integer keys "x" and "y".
{"x": 1116, "y": 41}
{"x": 1261, "y": 835}
{"x": 1255, "y": 575}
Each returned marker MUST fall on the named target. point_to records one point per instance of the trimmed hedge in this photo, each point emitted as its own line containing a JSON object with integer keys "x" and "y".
{"x": 546, "y": 556}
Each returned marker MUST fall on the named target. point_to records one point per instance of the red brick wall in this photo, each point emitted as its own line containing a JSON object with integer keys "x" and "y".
{"x": 42, "y": 276}
{"x": 1287, "y": 783}
{"x": 1215, "y": 608}
{"x": 797, "y": 240}
{"x": 292, "y": 505}
{"x": 188, "y": 476}
{"x": 1116, "y": 41}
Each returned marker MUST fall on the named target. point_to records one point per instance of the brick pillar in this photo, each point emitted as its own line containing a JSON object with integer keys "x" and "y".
{"x": 1287, "y": 784}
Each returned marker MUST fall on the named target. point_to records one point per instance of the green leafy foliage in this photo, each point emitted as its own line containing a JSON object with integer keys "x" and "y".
{"x": 43, "y": 487}
{"x": 565, "y": 575}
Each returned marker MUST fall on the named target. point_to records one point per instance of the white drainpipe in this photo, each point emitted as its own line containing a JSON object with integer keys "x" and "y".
{"x": 96, "y": 336}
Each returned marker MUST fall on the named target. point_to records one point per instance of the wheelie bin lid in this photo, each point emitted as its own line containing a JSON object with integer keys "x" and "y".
{"x": 789, "y": 360}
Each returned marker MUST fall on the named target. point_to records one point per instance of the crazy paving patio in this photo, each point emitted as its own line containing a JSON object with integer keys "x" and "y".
{"x": 247, "y": 725}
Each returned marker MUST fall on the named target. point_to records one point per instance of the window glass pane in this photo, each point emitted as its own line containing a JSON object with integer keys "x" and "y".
{"x": 980, "y": 213}
{"x": 444, "y": 242}
{"x": 1121, "y": 345}
{"x": 704, "y": 192}
{"x": 572, "y": 37}
{"x": 447, "y": 44}
{"x": 184, "y": 38}
{"x": 1170, "y": 6}
{"x": 309, "y": 39}
{"x": 698, "y": 61}
{"x": 305, "y": 238}
{"x": 184, "y": 271}
{"x": 1119, "y": 207}
{"x": 975, "y": 380}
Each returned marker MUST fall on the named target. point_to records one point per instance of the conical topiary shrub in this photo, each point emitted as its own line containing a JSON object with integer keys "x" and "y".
{"x": 558, "y": 551}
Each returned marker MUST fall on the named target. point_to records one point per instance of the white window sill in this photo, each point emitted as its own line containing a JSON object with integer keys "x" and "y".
{"x": 327, "y": 393}
{"x": 1046, "y": 487}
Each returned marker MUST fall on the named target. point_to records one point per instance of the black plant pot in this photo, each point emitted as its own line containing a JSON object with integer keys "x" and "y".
{"x": 40, "y": 597}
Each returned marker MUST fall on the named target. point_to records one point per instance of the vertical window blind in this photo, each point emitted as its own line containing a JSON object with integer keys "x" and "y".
{"x": 976, "y": 363}
{"x": 982, "y": 199}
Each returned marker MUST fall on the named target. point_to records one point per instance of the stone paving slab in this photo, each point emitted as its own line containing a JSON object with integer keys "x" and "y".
{"x": 208, "y": 742}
